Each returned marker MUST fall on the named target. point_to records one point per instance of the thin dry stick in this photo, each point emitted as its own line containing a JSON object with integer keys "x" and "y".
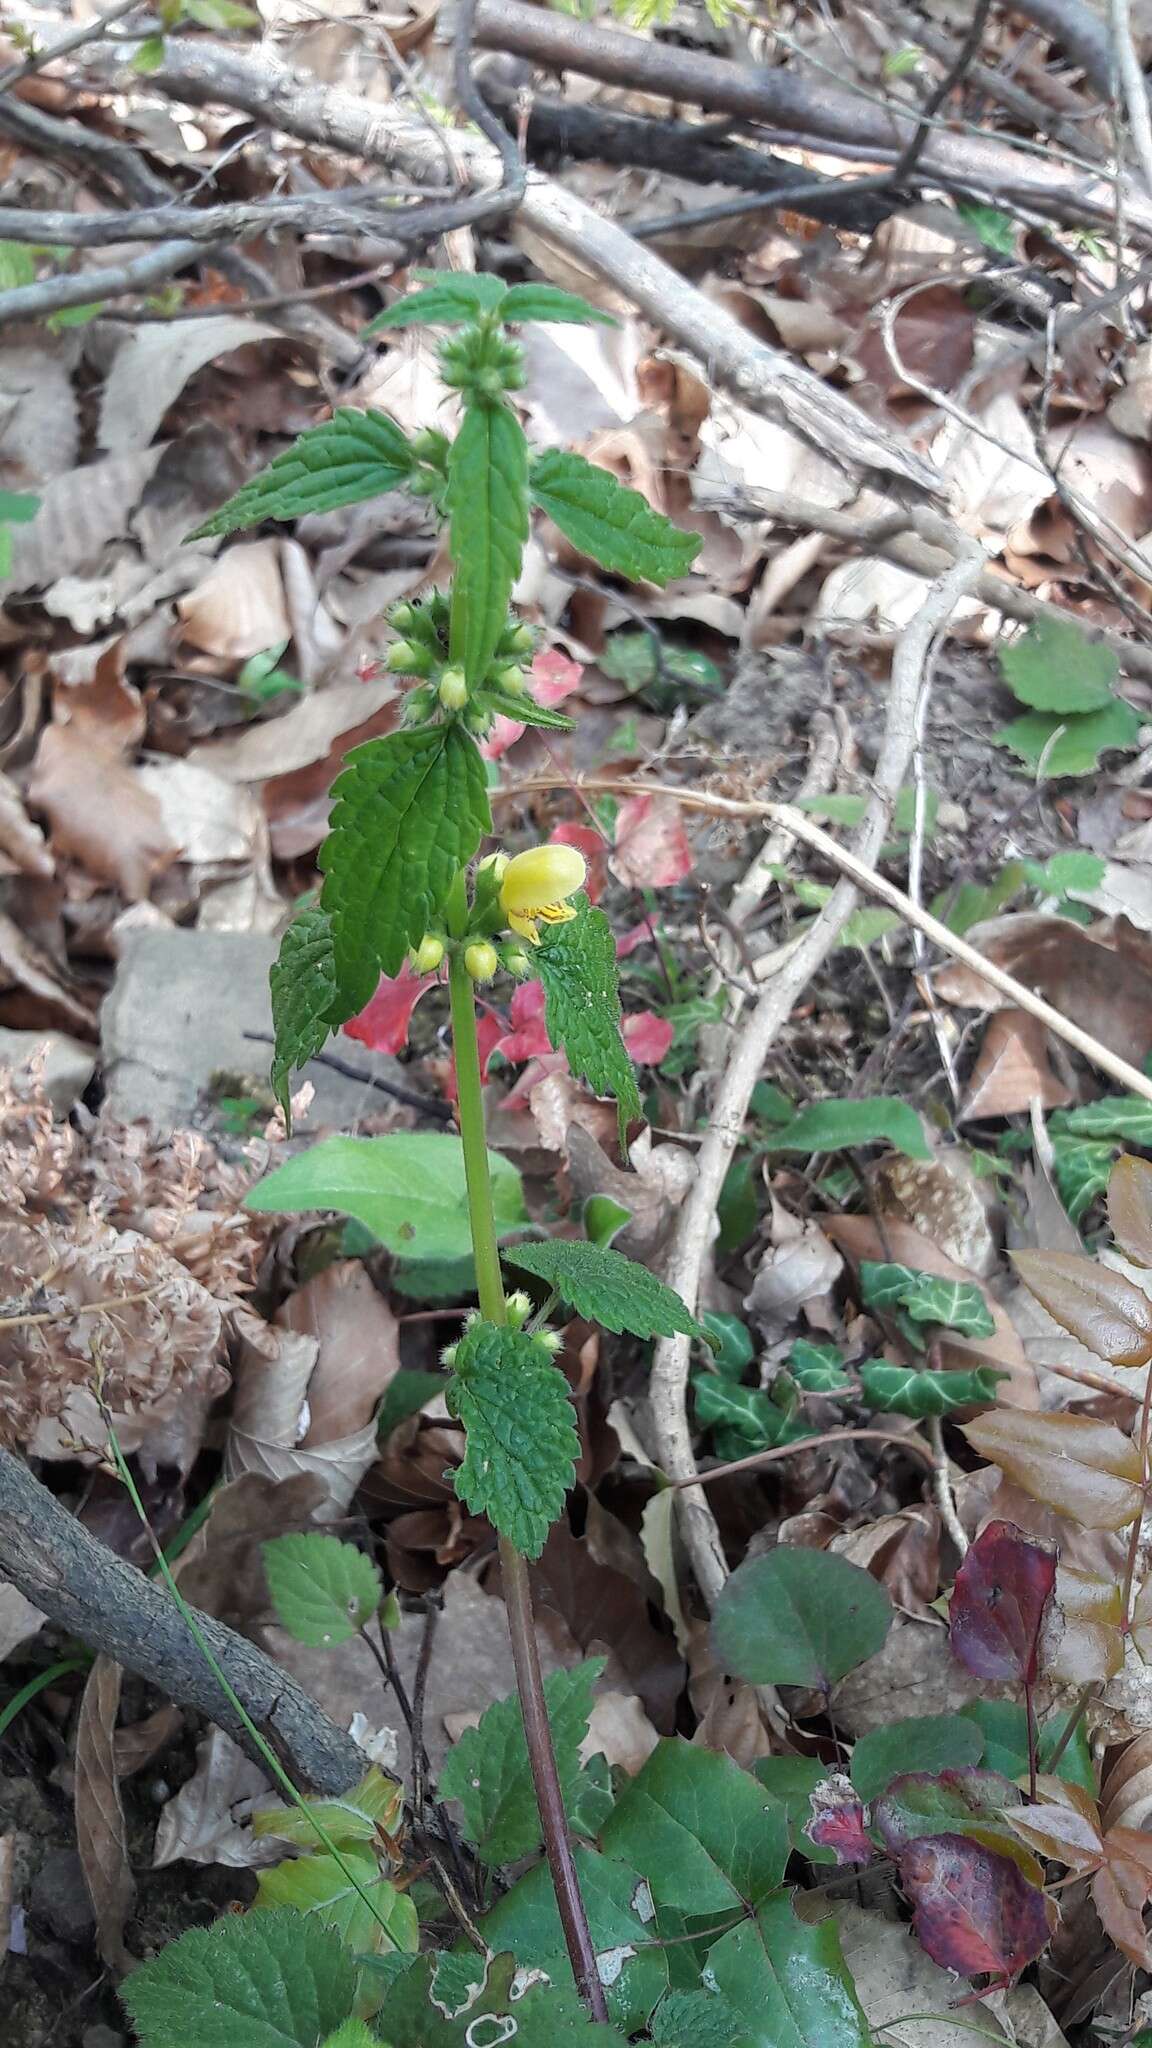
{"x": 942, "y": 1487}
{"x": 87, "y": 32}
{"x": 1132, "y": 86}
{"x": 903, "y": 1441}
{"x": 90, "y": 287}
{"x": 670, "y": 1364}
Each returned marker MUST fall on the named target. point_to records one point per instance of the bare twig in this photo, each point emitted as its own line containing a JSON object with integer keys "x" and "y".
{"x": 1133, "y": 86}
{"x": 97, "y": 1597}
{"x": 91, "y": 287}
{"x": 942, "y": 1487}
{"x": 670, "y": 1363}
{"x": 904, "y": 1440}
{"x": 74, "y": 39}
{"x": 954, "y": 76}
{"x": 358, "y": 210}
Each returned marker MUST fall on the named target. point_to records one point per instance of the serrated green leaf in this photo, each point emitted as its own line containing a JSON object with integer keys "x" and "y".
{"x": 926, "y": 1742}
{"x": 694, "y": 2019}
{"x": 1085, "y": 737}
{"x": 582, "y": 1015}
{"x": 620, "y": 1918}
{"x": 926, "y": 1298}
{"x": 356, "y": 1816}
{"x": 833, "y": 1125}
{"x": 788, "y": 1982}
{"x": 370, "y": 1914}
{"x": 489, "y": 1774}
{"x": 1065, "y": 872}
{"x": 547, "y": 302}
{"x": 305, "y": 1007}
{"x": 1083, "y": 1169}
{"x": 520, "y": 1433}
{"x": 429, "y": 2007}
{"x": 899, "y": 1390}
{"x": 818, "y": 1368}
{"x": 524, "y": 709}
{"x": 799, "y": 1617}
{"x": 1113, "y": 1116}
{"x": 323, "y": 1590}
{"x": 609, "y": 522}
{"x": 791, "y": 1781}
{"x": 606, "y": 1288}
{"x": 352, "y": 456}
{"x": 409, "y": 811}
{"x": 1054, "y": 666}
{"x": 266, "y": 1980}
{"x": 701, "y": 1830}
{"x": 450, "y": 299}
{"x": 408, "y": 1189}
{"x": 487, "y": 505}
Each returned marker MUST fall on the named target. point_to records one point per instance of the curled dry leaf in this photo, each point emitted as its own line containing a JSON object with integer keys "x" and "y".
{"x": 799, "y": 1266}
{"x": 1098, "y": 1307}
{"x": 620, "y": 1730}
{"x": 101, "y": 1835}
{"x": 21, "y": 842}
{"x": 838, "y": 1821}
{"x": 239, "y": 608}
{"x": 19, "y": 1620}
{"x": 207, "y": 1820}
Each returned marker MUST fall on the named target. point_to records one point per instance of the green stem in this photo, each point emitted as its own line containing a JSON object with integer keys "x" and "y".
{"x": 513, "y": 1566}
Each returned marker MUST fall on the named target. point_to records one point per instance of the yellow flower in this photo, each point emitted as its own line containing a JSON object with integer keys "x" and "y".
{"x": 535, "y": 885}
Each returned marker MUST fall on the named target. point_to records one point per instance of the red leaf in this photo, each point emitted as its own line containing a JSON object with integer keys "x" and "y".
{"x": 838, "y": 1821}
{"x": 527, "y": 1038}
{"x": 642, "y": 934}
{"x": 554, "y": 677}
{"x": 998, "y": 1605}
{"x": 382, "y": 1024}
{"x": 594, "y": 848}
{"x": 975, "y": 1911}
{"x": 652, "y": 849}
{"x": 647, "y": 1037}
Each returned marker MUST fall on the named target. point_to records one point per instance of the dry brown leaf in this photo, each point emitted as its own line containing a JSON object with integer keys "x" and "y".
{"x": 222, "y": 1570}
{"x": 1013, "y": 1070}
{"x": 619, "y": 1729}
{"x": 358, "y": 1349}
{"x": 19, "y": 1620}
{"x": 21, "y": 842}
{"x": 339, "y": 1465}
{"x": 140, "y": 1744}
{"x": 35, "y": 993}
{"x": 1101, "y": 979}
{"x": 39, "y": 423}
{"x": 653, "y": 1193}
{"x": 902, "y": 1551}
{"x": 239, "y": 608}
{"x": 79, "y": 514}
{"x": 210, "y": 822}
{"x": 101, "y": 1835}
{"x": 105, "y": 820}
{"x": 798, "y": 1268}
{"x": 151, "y": 367}
{"x": 207, "y": 1820}
{"x": 941, "y": 1198}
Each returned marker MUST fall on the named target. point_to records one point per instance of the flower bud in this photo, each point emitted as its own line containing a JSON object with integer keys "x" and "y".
{"x": 493, "y": 863}
{"x": 403, "y": 617}
{"x": 405, "y": 659}
{"x": 429, "y": 445}
{"x": 453, "y": 692}
{"x": 428, "y": 955}
{"x": 550, "y": 1341}
{"x": 516, "y": 962}
{"x": 521, "y": 640}
{"x": 512, "y": 678}
{"x": 448, "y": 1355}
{"x": 519, "y": 1308}
{"x": 481, "y": 960}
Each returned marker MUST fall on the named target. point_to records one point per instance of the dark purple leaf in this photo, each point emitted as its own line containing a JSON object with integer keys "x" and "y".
{"x": 976, "y": 1912}
{"x": 998, "y": 1605}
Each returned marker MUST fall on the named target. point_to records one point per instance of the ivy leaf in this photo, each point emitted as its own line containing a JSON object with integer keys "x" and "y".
{"x": 1083, "y": 1169}
{"x": 748, "y": 1417}
{"x": 487, "y": 504}
{"x": 999, "y": 1603}
{"x": 1054, "y": 666}
{"x": 1114, "y": 1116}
{"x": 305, "y": 1007}
{"x": 609, "y": 522}
{"x": 576, "y": 963}
{"x": 900, "y": 1390}
{"x": 522, "y": 1446}
{"x": 260, "y": 1980}
{"x": 606, "y": 1288}
{"x": 547, "y": 302}
{"x": 926, "y": 1298}
{"x": 832, "y": 1125}
{"x": 352, "y": 456}
{"x": 799, "y": 1617}
{"x": 410, "y": 810}
{"x": 818, "y": 1368}
{"x": 489, "y": 1774}
{"x": 323, "y": 1590}
{"x": 788, "y": 1981}
{"x": 450, "y": 299}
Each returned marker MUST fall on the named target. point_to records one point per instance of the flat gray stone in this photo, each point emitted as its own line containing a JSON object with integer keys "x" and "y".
{"x": 177, "y": 1020}
{"x": 68, "y": 1068}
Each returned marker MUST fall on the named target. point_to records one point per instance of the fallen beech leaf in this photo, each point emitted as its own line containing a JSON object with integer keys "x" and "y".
{"x": 651, "y": 849}
{"x": 1085, "y": 1468}
{"x": 1130, "y": 1207}
{"x": 209, "y": 1819}
{"x": 975, "y": 1911}
{"x": 383, "y": 1024}
{"x": 838, "y": 1821}
{"x": 101, "y": 1836}
{"x": 1100, "y": 978}
{"x": 239, "y": 608}
{"x": 1098, "y": 1307}
{"x": 999, "y": 1603}
{"x": 358, "y": 1349}
{"x": 99, "y": 813}
{"x": 1012, "y": 1070}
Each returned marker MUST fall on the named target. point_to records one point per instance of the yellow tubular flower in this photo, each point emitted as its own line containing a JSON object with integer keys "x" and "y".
{"x": 535, "y": 886}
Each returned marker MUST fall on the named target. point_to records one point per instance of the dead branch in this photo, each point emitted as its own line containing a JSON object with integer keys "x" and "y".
{"x": 669, "y": 1380}
{"x": 89, "y": 1591}
{"x": 367, "y": 211}
{"x": 782, "y": 99}
{"x": 88, "y": 287}
{"x": 1081, "y": 34}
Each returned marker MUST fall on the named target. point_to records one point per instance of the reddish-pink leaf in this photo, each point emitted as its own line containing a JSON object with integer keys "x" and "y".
{"x": 527, "y": 1038}
{"x": 652, "y": 849}
{"x": 647, "y": 1037}
{"x": 553, "y": 677}
{"x": 1105, "y": 1311}
{"x": 975, "y": 1911}
{"x": 998, "y": 1605}
{"x": 383, "y": 1023}
{"x": 942, "y": 1802}
{"x": 838, "y": 1821}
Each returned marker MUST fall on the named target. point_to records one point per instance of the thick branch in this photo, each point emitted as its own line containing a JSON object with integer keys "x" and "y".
{"x": 88, "y": 1590}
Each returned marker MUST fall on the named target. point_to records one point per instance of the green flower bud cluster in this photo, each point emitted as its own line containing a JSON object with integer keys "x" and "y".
{"x": 483, "y": 362}
{"x": 422, "y": 651}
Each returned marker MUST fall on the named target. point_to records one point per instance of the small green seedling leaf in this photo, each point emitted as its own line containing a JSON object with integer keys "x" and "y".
{"x": 547, "y": 302}
{"x": 324, "y": 1591}
{"x": 260, "y": 1980}
{"x": 577, "y": 964}
{"x": 449, "y": 299}
{"x": 899, "y": 1390}
{"x": 833, "y": 1125}
{"x": 352, "y": 456}
{"x": 520, "y": 1433}
{"x": 926, "y": 1298}
{"x": 1054, "y": 666}
{"x": 1083, "y": 740}
{"x": 407, "y": 1188}
{"x": 305, "y": 1005}
{"x": 608, "y": 1289}
{"x": 489, "y": 1774}
{"x": 604, "y": 1219}
{"x": 487, "y": 504}
{"x": 609, "y": 522}
{"x": 409, "y": 811}
{"x": 799, "y": 1617}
